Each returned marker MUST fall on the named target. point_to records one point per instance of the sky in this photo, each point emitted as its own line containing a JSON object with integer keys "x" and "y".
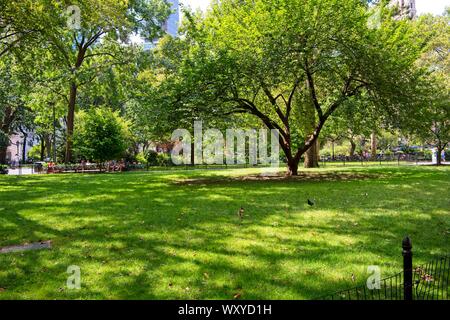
{"x": 423, "y": 6}
{"x": 428, "y": 6}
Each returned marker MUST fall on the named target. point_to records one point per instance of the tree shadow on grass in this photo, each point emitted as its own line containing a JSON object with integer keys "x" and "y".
{"x": 139, "y": 237}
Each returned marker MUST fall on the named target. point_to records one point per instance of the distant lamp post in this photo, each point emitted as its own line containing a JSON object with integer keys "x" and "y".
{"x": 54, "y": 134}
{"x": 17, "y": 157}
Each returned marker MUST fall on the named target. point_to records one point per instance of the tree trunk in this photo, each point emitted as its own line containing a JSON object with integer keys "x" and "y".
{"x": 42, "y": 149}
{"x": 192, "y": 154}
{"x": 24, "y": 147}
{"x": 48, "y": 146}
{"x": 373, "y": 146}
{"x": 309, "y": 114}
{"x": 70, "y": 122}
{"x": 292, "y": 166}
{"x": 3, "y": 154}
{"x": 439, "y": 156}
{"x": 332, "y": 151}
{"x": 352, "y": 148}
{"x": 312, "y": 156}
{"x": 71, "y": 106}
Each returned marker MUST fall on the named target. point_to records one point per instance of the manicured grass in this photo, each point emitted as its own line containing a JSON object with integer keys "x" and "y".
{"x": 177, "y": 235}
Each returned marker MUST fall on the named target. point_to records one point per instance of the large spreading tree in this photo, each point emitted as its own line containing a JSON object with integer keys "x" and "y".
{"x": 431, "y": 121}
{"x": 76, "y": 53}
{"x": 293, "y": 63}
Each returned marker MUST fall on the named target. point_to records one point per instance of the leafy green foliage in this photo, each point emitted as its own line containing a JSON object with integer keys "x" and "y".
{"x": 14, "y": 114}
{"x": 35, "y": 152}
{"x": 276, "y": 60}
{"x": 71, "y": 57}
{"x": 101, "y": 135}
{"x": 152, "y": 158}
{"x": 431, "y": 121}
{"x": 3, "y": 169}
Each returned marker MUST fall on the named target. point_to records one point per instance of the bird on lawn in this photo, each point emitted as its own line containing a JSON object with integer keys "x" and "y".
{"x": 311, "y": 202}
{"x": 241, "y": 213}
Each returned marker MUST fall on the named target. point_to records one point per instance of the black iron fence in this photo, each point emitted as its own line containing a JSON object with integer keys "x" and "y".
{"x": 426, "y": 282}
{"x": 41, "y": 167}
{"x": 394, "y": 159}
{"x": 431, "y": 281}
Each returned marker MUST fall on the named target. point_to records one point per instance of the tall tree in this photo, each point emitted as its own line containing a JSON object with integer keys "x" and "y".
{"x": 78, "y": 49}
{"x": 13, "y": 88}
{"x": 431, "y": 122}
{"x": 20, "y": 24}
{"x": 270, "y": 58}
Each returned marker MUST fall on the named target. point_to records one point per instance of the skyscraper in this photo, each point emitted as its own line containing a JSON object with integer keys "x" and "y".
{"x": 407, "y": 8}
{"x": 170, "y": 26}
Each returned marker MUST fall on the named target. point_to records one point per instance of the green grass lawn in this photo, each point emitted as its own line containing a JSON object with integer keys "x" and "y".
{"x": 177, "y": 235}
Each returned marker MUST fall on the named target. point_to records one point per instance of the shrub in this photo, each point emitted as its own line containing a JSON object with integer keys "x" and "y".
{"x": 101, "y": 135}
{"x": 35, "y": 152}
{"x": 152, "y": 158}
{"x": 140, "y": 158}
{"x": 327, "y": 151}
{"x": 164, "y": 160}
{"x": 3, "y": 169}
{"x": 427, "y": 154}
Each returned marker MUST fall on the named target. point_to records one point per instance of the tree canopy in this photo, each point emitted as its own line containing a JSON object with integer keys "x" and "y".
{"x": 308, "y": 68}
{"x": 101, "y": 135}
{"x": 277, "y": 60}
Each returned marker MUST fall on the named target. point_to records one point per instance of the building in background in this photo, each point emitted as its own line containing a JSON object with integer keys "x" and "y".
{"x": 170, "y": 26}
{"x": 18, "y": 148}
{"x": 407, "y": 8}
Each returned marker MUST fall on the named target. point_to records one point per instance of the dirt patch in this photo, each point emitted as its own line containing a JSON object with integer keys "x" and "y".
{"x": 302, "y": 177}
{"x": 28, "y": 246}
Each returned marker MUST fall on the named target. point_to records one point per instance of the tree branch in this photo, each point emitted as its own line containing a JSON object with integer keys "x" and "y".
{"x": 291, "y": 97}
{"x": 312, "y": 90}
{"x": 273, "y": 102}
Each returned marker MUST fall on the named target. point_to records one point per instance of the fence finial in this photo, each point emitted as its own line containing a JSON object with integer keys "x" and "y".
{"x": 406, "y": 244}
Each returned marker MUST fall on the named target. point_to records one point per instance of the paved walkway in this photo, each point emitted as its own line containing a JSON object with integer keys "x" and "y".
{"x": 21, "y": 171}
{"x": 28, "y": 171}
{"x": 430, "y": 164}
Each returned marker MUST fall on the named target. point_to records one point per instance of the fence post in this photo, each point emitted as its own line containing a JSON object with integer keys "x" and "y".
{"x": 407, "y": 269}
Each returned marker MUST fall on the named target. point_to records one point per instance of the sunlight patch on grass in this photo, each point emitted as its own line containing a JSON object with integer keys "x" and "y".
{"x": 146, "y": 236}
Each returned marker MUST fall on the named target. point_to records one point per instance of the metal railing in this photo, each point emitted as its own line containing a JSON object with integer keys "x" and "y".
{"x": 427, "y": 282}
{"x": 397, "y": 159}
{"x": 390, "y": 288}
{"x": 431, "y": 281}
